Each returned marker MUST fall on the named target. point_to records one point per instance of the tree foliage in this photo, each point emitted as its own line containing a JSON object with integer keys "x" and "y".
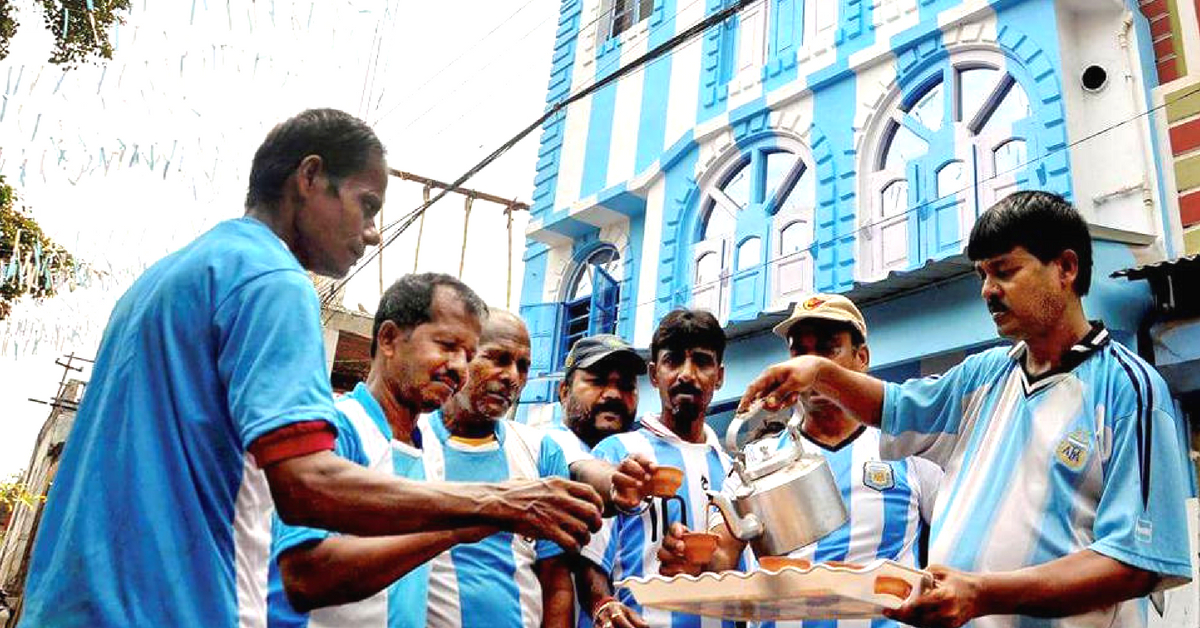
{"x": 80, "y": 28}
{"x": 50, "y": 260}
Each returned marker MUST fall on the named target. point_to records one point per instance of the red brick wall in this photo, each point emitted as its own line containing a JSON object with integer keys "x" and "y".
{"x": 1156, "y": 11}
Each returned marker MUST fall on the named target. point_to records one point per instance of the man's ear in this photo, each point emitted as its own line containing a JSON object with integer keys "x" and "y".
{"x": 653, "y": 373}
{"x": 310, "y": 175}
{"x": 863, "y": 355}
{"x": 389, "y": 332}
{"x": 720, "y": 377}
{"x": 563, "y": 388}
{"x": 1068, "y": 267}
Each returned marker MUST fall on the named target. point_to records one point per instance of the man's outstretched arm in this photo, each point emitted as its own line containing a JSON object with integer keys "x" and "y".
{"x": 344, "y": 569}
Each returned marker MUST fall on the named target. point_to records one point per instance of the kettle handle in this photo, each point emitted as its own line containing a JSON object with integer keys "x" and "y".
{"x": 755, "y": 416}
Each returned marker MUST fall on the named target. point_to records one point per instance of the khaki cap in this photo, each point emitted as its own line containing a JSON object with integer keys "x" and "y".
{"x": 830, "y": 307}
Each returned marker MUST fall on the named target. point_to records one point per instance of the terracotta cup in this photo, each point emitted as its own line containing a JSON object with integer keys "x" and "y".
{"x": 665, "y": 481}
{"x": 698, "y": 547}
{"x": 775, "y": 563}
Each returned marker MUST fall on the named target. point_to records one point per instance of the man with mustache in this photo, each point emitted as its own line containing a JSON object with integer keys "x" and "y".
{"x": 599, "y": 398}
{"x": 1066, "y": 463}
{"x": 340, "y": 581}
{"x": 686, "y": 354}
{"x": 890, "y": 503}
{"x": 210, "y": 402}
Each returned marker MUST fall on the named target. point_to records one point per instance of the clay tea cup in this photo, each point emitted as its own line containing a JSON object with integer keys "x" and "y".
{"x": 665, "y": 481}
{"x": 698, "y": 547}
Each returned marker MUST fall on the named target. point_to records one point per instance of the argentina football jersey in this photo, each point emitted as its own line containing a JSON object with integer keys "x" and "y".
{"x": 492, "y": 582}
{"x": 888, "y": 503}
{"x": 1090, "y": 456}
{"x": 632, "y": 541}
{"x": 364, "y": 437}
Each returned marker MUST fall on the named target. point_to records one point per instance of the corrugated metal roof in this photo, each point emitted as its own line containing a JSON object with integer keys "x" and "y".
{"x": 1189, "y": 263}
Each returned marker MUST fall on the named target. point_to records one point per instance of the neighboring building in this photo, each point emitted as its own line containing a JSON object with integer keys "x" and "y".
{"x": 347, "y": 339}
{"x": 848, "y": 146}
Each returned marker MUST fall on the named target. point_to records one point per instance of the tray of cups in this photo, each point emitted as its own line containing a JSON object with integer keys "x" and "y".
{"x": 784, "y": 589}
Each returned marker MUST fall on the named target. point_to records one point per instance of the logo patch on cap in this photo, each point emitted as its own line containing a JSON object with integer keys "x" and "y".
{"x": 813, "y": 303}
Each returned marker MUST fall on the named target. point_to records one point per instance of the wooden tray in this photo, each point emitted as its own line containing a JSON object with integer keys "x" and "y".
{"x": 821, "y": 591}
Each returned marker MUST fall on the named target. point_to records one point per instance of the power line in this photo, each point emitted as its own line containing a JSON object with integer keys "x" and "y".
{"x": 457, "y": 59}
{"x": 650, "y": 55}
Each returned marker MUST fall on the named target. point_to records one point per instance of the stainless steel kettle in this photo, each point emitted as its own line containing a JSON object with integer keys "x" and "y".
{"x": 786, "y": 499}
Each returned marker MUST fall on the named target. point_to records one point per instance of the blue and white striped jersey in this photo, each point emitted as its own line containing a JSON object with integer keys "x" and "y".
{"x": 490, "y": 583}
{"x": 1090, "y": 456}
{"x": 364, "y": 437}
{"x": 889, "y": 503}
{"x": 633, "y": 540}
{"x": 573, "y": 448}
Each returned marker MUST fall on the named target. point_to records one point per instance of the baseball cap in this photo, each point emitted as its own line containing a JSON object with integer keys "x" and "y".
{"x": 592, "y": 350}
{"x": 830, "y": 307}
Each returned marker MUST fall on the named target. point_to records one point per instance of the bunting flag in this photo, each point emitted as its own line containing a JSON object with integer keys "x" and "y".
{"x": 162, "y": 134}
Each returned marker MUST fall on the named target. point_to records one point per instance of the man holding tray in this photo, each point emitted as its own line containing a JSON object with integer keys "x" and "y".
{"x": 1066, "y": 464}
{"x": 686, "y": 354}
{"x": 889, "y": 502}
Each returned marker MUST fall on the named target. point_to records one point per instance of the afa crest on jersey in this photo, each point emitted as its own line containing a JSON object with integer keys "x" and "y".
{"x": 1072, "y": 451}
{"x": 878, "y": 475}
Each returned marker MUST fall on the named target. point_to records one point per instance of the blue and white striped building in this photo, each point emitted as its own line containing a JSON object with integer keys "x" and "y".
{"x": 834, "y": 146}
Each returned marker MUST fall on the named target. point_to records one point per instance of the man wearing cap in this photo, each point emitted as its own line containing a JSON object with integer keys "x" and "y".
{"x": 599, "y": 398}
{"x": 890, "y": 502}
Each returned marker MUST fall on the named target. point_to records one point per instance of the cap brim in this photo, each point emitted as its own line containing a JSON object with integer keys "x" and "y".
{"x": 625, "y": 357}
{"x": 783, "y": 328}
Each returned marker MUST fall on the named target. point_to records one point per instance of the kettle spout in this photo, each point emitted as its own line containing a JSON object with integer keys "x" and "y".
{"x": 745, "y": 528}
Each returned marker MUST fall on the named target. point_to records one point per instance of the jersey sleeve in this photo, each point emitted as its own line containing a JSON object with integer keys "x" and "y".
{"x": 572, "y": 448}
{"x": 551, "y": 463}
{"x": 285, "y": 537}
{"x": 271, "y": 355}
{"x": 1141, "y": 519}
{"x": 924, "y": 416}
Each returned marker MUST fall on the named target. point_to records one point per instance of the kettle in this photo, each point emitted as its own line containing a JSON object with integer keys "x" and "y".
{"x": 786, "y": 499}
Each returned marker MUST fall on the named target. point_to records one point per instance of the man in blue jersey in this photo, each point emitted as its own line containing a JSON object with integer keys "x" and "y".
{"x": 599, "y": 398}
{"x": 686, "y": 366}
{"x": 889, "y": 503}
{"x": 504, "y": 580}
{"x": 1066, "y": 463}
{"x": 337, "y": 581}
{"x": 212, "y": 367}
{"x": 352, "y": 581}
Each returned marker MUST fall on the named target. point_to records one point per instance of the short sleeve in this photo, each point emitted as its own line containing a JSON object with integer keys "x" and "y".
{"x": 285, "y": 537}
{"x": 611, "y": 450}
{"x": 271, "y": 354}
{"x": 924, "y": 416}
{"x": 573, "y": 449}
{"x": 1149, "y": 533}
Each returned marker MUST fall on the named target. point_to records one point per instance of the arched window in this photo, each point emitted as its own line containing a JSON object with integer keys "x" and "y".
{"x": 762, "y": 201}
{"x": 590, "y": 298}
{"x": 944, "y": 150}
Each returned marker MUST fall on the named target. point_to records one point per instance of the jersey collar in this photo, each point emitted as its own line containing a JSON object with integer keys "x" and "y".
{"x": 1096, "y": 338}
{"x": 363, "y": 396}
{"x": 443, "y": 434}
{"x": 651, "y": 423}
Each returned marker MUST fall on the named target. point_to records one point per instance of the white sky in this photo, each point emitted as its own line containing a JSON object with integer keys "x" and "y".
{"x": 201, "y": 82}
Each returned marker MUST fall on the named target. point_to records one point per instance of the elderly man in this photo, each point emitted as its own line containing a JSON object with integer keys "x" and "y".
{"x": 1066, "y": 465}
{"x": 212, "y": 367}
{"x": 889, "y": 503}
{"x": 686, "y": 366}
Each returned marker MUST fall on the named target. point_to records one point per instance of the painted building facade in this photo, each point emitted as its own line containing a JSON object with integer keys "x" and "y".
{"x": 804, "y": 146}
